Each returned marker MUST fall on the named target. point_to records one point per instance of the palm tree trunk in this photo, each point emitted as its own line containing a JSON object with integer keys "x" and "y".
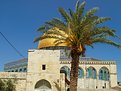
{"x": 74, "y": 70}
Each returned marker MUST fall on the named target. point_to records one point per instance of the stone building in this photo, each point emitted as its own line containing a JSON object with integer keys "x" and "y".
{"x": 16, "y": 66}
{"x": 48, "y": 69}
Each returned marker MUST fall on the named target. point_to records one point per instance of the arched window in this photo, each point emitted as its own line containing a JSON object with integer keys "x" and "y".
{"x": 94, "y": 73}
{"x": 16, "y": 70}
{"x": 91, "y": 73}
{"x": 104, "y": 74}
{"x": 25, "y": 70}
{"x": 80, "y": 73}
{"x": 101, "y": 74}
{"x": 20, "y": 70}
{"x": 65, "y": 70}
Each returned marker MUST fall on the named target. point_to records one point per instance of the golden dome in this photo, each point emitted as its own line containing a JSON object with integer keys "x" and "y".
{"x": 48, "y": 42}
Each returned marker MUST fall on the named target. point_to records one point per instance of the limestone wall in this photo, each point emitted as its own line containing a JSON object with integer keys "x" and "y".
{"x": 92, "y": 84}
{"x": 49, "y": 58}
{"x": 18, "y": 77}
{"x": 111, "y": 66}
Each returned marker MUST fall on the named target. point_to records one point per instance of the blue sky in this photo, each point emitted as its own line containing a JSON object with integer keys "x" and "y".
{"x": 19, "y": 20}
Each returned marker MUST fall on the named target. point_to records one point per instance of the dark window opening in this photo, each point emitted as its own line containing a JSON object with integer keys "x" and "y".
{"x": 96, "y": 87}
{"x": 20, "y": 70}
{"x": 43, "y": 67}
{"x": 105, "y": 85}
{"x": 25, "y": 69}
{"x": 16, "y": 71}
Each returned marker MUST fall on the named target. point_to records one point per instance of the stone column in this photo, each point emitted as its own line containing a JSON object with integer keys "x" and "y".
{"x": 113, "y": 75}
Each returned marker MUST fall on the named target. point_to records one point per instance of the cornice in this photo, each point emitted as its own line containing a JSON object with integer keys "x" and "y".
{"x": 90, "y": 62}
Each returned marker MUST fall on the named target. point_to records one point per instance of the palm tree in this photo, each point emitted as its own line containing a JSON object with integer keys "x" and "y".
{"x": 78, "y": 30}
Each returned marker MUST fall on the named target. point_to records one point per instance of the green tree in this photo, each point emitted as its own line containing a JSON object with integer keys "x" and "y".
{"x": 7, "y": 85}
{"x": 78, "y": 30}
{"x": 10, "y": 85}
{"x": 2, "y": 85}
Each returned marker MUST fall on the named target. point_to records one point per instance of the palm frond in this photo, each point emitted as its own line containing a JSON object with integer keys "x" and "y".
{"x": 106, "y": 41}
{"x": 57, "y": 33}
{"x": 71, "y": 13}
{"x": 81, "y": 9}
{"x": 56, "y": 23}
{"x": 77, "y": 5}
{"x": 44, "y": 28}
{"x": 37, "y": 39}
{"x": 87, "y": 24}
{"x": 58, "y": 43}
{"x": 50, "y": 36}
{"x": 66, "y": 43}
{"x": 59, "y": 22}
{"x": 88, "y": 20}
{"x": 91, "y": 12}
{"x": 102, "y": 19}
{"x": 104, "y": 30}
{"x": 64, "y": 14}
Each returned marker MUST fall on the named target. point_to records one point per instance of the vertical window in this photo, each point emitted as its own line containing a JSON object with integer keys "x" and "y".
{"x": 25, "y": 70}
{"x": 105, "y": 74}
{"x": 20, "y": 70}
{"x": 105, "y": 85}
{"x": 96, "y": 87}
{"x": 43, "y": 67}
{"x": 16, "y": 70}
{"x": 101, "y": 75}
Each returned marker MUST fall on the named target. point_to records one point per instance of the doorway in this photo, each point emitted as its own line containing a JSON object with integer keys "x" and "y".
{"x": 43, "y": 85}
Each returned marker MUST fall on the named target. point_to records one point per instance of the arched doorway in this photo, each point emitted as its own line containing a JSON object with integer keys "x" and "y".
{"x": 43, "y": 85}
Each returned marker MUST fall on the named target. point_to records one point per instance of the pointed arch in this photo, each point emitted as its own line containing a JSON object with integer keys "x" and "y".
{"x": 80, "y": 73}
{"x": 104, "y": 73}
{"x": 91, "y": 73}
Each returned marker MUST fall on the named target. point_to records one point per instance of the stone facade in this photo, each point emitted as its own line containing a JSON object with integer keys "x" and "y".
{"x": 51, "y": 73}
{"x": 19, "y": 78}
{"x": 48, "y": 70}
